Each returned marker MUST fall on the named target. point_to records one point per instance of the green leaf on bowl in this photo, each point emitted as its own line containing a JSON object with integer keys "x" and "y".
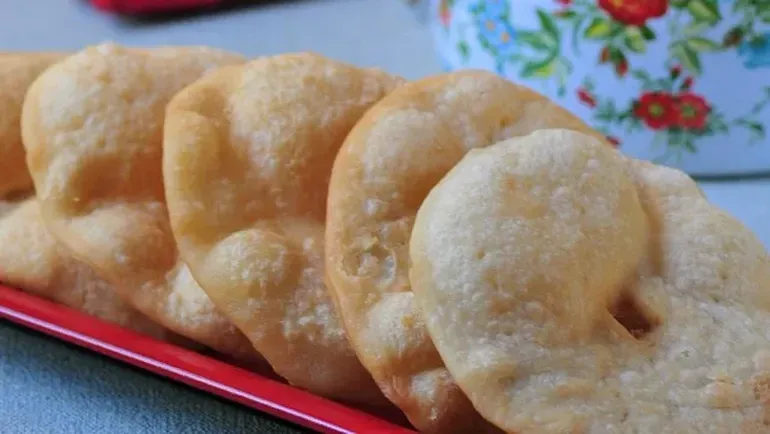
{"x": 538, "y": 41}
{"x": 679, "y": 4}
{"x": 695, "y": 28}
{"x": 705, "y": 11}
{"x": 541, "y": 69}
{"x": 687, "y": 56}
{"x": 634, "y": 39}
{"x": 717, "y": 124}
{"x": 616, "y": 55}
{"x": 547, "y": 23}
{"x": 599, "y": 28}
{"x": 690, "y": 146}
{"x": 575, "y": 34}
{"x": 647, "y": 33}
{"x": 702, "y": 44}
{"x": 464, "y": 50}
{"x": 753, "y": 126}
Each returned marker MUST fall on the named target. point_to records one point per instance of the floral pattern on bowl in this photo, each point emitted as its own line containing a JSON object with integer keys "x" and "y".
{"x": 681, "y": 82}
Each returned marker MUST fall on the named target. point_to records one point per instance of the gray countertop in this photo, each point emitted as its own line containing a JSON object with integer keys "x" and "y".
{"x": 55, "y": 388}
{"x": 48, "y": 386}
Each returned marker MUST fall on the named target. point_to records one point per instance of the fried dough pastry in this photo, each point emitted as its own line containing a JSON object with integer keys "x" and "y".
{"x": 31, "y": 260}
{"x": 569, "y": 289}
{"x": 92, "y": 127}
{"x": 248, "y": 155}
{"x": 400, "y": 149}
{"x": 17, "y": 72}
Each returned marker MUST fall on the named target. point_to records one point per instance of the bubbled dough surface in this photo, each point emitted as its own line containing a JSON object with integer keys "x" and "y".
{"x": 249, "y": 152}
{"x": 30, "y": 259}
{"x": 515, "y": 255}
{"x": 386, "y": 167}
{"x": 92, "y": 127}
{"x": 17, "y": 72}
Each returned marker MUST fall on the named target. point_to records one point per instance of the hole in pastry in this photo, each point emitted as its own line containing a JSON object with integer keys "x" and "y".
{"x": 629, "y": 313}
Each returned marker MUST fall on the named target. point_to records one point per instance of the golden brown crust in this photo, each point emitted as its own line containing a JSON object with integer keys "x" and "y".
{"x": 31, "y": 260}
{"x": 401, "y": 148}
{"x": 17, "y": 72}
{"x": 248, "y": 154}
{"x": 570, "y": 289}
{"x": 92, "y": 126}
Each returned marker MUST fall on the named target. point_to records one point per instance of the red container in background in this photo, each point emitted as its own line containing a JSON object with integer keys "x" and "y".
{"x": 136, "y": 7}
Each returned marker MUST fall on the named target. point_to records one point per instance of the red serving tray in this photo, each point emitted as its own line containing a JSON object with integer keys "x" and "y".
{"x": 191, "y": 368}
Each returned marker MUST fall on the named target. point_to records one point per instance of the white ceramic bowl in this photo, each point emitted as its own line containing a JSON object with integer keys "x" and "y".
{"x": 682, "y": 82}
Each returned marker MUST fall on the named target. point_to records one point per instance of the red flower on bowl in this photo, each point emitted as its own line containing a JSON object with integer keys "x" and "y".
{"x": 693, "y": 111}
{"x": 634, "y": 12}
{"x": 657, "y": 110}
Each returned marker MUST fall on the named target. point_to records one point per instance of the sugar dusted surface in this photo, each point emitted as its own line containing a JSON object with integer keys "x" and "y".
{"x": 515, "y": 263}
{"x": 265, "y": 136}
{"x": 92, "y": 128}
{"x": 390, "y": 161}
{"x": 17, "y": 72}
{"x": 30, "y": 259}
{"x": 186, "y": 300}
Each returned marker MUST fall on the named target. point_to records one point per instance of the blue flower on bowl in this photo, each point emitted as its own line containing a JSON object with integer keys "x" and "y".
{"x": 756, "y": 52}
{"x": 495, "y": 32}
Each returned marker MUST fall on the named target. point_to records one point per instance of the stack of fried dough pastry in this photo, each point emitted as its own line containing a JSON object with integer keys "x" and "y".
{"x": 457, "y": 247}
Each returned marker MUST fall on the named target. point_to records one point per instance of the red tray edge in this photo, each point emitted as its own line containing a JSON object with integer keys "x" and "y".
{"x": 188, "y": 367}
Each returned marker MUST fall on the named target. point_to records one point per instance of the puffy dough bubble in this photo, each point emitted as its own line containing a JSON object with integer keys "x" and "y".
{"x": 249, "y": 152}
{"x": 32, "y": 260}
{"x": 92, "y": 126}
{"x": 570, "y": 289}
{"x": 399, "y": 150}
